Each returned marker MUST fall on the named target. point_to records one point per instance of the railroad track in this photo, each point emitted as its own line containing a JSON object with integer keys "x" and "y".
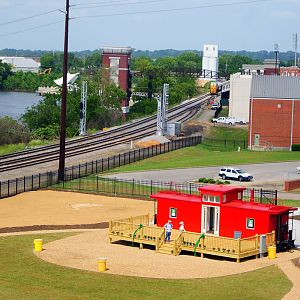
{"x": 103, "y": 140}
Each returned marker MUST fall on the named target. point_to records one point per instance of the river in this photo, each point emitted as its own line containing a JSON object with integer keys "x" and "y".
{"x": 14, "y": 104}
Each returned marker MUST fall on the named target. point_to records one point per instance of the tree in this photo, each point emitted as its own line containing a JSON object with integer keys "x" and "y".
{"x": 5, "y": 72}
{"x": 13, "y": 132}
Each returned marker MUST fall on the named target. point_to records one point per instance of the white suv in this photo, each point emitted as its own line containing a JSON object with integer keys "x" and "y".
{"x": 234, "y": 173}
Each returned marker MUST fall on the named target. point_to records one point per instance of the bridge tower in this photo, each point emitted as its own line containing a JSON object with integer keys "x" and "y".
{"x": 117, "y": 61}
{"x": 210, "y": 61}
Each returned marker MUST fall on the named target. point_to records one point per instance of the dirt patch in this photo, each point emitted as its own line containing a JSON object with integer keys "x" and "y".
{"x": 67, "y": 208}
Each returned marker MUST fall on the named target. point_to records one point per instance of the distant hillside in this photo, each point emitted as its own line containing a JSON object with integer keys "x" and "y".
{"x": 285, "y": 57}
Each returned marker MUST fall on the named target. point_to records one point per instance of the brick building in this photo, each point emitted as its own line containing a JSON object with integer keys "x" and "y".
{"x": 117, "y": 61}
{"x": 290, "y": 71}
{"x": 274, "y": 112}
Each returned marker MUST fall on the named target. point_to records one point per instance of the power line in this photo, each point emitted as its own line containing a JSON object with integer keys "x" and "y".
{"x": 172, "y": 9}
{"x": 31, "y": 28}
{"x": 119, "y": 4}
{"x": 30, "y": 17}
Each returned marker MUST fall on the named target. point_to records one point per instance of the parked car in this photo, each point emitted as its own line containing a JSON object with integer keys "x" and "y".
{"x": 234, "y": 173}
{"x": 298, "y": 170}
{"x": 224, "y": 120}
{"x": 215, "y": 106}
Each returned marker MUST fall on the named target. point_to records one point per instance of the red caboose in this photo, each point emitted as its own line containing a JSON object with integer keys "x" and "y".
{"x": 220, "y": 210}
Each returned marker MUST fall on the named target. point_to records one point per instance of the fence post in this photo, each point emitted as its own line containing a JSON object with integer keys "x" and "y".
{"x": 151, "y": 187}
{"x": 16, "y": 186}
{"x": 132, "y": 192}
{"x": 86, "y": 164}
{"x": 102, "y": 165}
{"x": 96, "y": 165}
{"x": 32, "y": 182}
{"x": 39, "y": 180}
{"x": 97, "y": 184}
{"x": 115, "y": 180}
{"x": 72, "y": 172}
{"x": 108, "y": 165}
{"x": 8, "y": 187}
{"x": 275, "y": 197}
{"x": 24, "y": 184}
{"x": 133, "y": 155}
{"x": 190, "y": 188}
{"x": 92, "y": 167}
{"x": 79, "y": 171}
{"x": 129, "y": 157}
{"x": 261, "y": 194}
{"x": 0, "y": 189}
{"x": 119, "y": 159}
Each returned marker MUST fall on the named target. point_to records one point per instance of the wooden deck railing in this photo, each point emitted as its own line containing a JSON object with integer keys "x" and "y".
{"x": 208, "y": 244}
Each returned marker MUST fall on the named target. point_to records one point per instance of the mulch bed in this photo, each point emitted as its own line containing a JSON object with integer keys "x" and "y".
{"x": 101, "y": 225}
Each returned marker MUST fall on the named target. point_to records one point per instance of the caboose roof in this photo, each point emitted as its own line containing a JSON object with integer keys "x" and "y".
{"x": 172, "y": 195}
{"x": 220, "y": 189}
{"x": 270, "y": 208}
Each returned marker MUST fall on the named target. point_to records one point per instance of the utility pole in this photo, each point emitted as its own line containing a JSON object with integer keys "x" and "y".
{"x": 295, "y": 42}
{"x": 61, "y": 168}
{"x": 276, "y": 49}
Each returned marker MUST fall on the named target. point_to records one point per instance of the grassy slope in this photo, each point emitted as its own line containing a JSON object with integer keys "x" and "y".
{"x": 24, "y": 276}
{"x": 199, "y": 157}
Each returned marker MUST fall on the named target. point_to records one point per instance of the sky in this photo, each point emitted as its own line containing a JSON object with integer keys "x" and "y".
{"x": 150, "y": 24}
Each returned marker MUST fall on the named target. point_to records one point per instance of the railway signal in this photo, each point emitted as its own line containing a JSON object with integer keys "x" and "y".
{"x": 82, "y": 107}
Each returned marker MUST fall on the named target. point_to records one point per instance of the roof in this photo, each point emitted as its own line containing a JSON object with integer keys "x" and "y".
{"x": 71, "y": 78}
{"x": 173, "y": 195}
{"x": 278, "y": 87}
{"x": 271, "y": 208}
{"x": 21, "y": 62}
{"x": 118, "y": 50}
{"x": 221, "y": 189}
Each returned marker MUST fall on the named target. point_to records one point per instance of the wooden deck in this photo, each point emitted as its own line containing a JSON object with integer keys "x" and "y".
{"x": 138, "y": 230}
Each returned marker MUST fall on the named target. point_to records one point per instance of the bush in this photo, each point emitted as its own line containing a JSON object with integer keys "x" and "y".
{"x": 205, "y": 180}
{"x": 211, "y": 180}
{"x": 296, "y": 147}
{"x": 226, "y": 182}
{"x": 201, "y": 179}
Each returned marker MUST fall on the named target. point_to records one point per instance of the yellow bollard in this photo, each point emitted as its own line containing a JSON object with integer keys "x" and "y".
{"x": 38, "y": 245}
{"x": 102, "y": 264}
{"x": 272, "y": 252}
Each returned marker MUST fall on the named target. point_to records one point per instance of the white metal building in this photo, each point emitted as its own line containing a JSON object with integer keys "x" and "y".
{"x": 25, "y": 64}
{"x": 240, "y": 89}
{"x": 210, "y": 58}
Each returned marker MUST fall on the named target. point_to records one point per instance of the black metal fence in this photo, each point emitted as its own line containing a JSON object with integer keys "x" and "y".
{"x": 34, "y": 182}
{"x": 144, "y": 188}
{"x": 225, "y": 144}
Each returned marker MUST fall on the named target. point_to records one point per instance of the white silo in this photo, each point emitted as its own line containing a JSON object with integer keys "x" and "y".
{"x": 210, "y": 61}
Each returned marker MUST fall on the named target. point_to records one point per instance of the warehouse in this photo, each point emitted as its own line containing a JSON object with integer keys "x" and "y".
{"x": 274, "y": 113}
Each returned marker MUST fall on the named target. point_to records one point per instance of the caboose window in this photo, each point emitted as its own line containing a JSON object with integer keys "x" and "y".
{"x": 173, "y": 212}
{"x": 250, "y": 223}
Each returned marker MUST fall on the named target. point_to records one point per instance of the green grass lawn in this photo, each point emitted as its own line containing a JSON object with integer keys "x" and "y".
{"x": 287, "y": 202}
{"x": 24, "y": 276}
{"x": 198, "y": 156}
{"x": 7, "y": 149}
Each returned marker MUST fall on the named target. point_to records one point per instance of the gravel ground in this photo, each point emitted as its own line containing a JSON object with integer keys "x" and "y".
{"x": 82, "y": 251}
